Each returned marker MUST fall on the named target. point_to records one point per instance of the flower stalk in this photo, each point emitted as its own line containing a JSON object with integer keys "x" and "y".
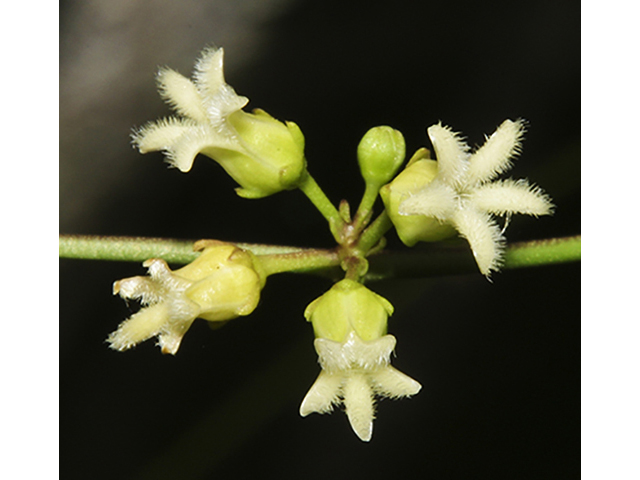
{"x": 374, "y": 232}
{"x": 319, "y": 199}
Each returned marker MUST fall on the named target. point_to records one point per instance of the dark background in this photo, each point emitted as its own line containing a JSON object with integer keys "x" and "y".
{"x": 499, "y": 362}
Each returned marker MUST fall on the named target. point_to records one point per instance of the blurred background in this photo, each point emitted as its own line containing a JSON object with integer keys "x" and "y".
{"x": 499, "y": 362}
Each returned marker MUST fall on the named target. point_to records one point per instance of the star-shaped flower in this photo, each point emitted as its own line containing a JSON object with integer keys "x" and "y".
{"x": 259, "y": 152}
{"x": 219, "y": 285}
{"x": 350, "y": 324}
{"x": 353, "y": 373}
{"x": 465, "y": 193}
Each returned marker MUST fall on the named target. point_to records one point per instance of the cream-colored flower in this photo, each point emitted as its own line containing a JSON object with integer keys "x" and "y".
{"x": 465, "y": 194}
{"x": 221, "y": 284}
{"x": 353, "y": 373}
{"x": 259, "y": 152}
{"x": 350, "y": 322}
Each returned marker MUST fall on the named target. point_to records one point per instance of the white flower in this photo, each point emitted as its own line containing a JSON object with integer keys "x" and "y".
{"x": 219, "y": 285}
{"x": 353, "y": 373}
{"x": 350, "y": 323}
{"x": 465, "y": 194}
{"x": 259, "y": 152}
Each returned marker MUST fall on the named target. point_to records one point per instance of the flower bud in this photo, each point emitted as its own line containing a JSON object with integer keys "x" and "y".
{"x": 380, "y": 154}
{"x": 411, "y": 229}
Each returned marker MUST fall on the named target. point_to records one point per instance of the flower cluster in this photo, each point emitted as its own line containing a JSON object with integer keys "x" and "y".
{"x": 459, "y": 193}
{"x": 427, "y": 201}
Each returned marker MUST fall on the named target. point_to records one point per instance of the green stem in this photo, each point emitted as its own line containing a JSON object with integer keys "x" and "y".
{"x": 443, "y": 258}
{"x": 543, "y": 252}
{"x": 375, "y": 232}
{"x": 139, "y": 249}
{"x": 308, "y": 260}
{"x": 455, "y": 257}
{"x": 126, "y": 249}
{"x": 314, "y": 193}
{"x": 366, "y": 205}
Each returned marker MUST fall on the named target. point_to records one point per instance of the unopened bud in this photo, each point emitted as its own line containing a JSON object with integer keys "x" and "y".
{"x": 380, "y": 154}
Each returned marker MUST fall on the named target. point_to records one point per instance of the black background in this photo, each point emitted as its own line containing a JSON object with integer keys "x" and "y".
{"x": 499, "y": 362}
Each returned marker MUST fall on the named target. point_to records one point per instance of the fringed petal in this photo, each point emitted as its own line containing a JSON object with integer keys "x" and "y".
{"x": 219, "y": 106}
{"x": 484, "y": 237}
{"x": 494, "y": 157}
{"x": 436, "y": 200}
{"x": 358, "y": 403}
{"x": 392, "y": 383}
{"x": 147, "y": 323}
{"x": 512, "y": 196}
{"x": 371, "y": 355}
{"x": 209, "y": 72}
{"x": 331, "y": 355}
{"x": 323, "y": 394}
{"x": 161, "y": 135}
{"x": 183, "y": 152}
{"x": 171, "y": 336}
{"x": 222, "y": 100}
{"x": 451, "y": 152}
{"x": 139, "y": 288}
{"x": 181, "y": 94}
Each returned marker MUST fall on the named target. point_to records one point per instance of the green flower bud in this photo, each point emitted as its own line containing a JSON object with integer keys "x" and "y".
{"x": 380, "y": 154}
{"x": 349, "y": 307}
{"x": 414, "y": 228}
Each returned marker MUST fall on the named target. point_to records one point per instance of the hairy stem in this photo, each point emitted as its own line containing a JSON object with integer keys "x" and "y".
{"x": 126, "y": 249}
{"x": 139, "y": 249}
{"x": 444, "y": 258}
{"x": 543, "y": 252}
{"x": 308, "y": 260}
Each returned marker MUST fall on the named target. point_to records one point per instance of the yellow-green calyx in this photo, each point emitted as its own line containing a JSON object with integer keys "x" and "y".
{"x": 272, "y": 158}
{"x": 414, "y": 228}
{"x": 262, "y": 154}
{"x": 349, "y": 306}
{"x": 221, "y": 284}
{"x": 380, "y": 154}
{"x": 226, "y": 282}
